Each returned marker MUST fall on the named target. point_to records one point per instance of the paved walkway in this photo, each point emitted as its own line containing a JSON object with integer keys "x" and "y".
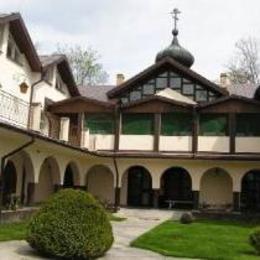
{"x": 138, "y": 221}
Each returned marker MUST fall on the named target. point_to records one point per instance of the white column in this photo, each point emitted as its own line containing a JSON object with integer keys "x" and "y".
{"x": 64, "y": 128}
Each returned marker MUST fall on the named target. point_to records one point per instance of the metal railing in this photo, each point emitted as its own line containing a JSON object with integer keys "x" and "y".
{"x": 13, "y": 109}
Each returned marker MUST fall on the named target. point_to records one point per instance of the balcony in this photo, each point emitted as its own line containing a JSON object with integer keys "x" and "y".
{"x": 13, "y": 110}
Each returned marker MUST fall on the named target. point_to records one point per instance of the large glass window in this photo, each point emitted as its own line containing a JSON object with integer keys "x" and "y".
{"x": 176, "y": 124}
{"x": 171, "y": 80}
{"x": 213, "y": 125}
{"x": 100, "y": 123}
{"x": 137, "y": 124}
{"x": 13, "y": 51}
{"x": 248, "y": 125}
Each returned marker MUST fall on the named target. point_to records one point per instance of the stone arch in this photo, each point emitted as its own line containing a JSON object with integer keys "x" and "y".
{"x": 9, "y": 182}
{"x": 100, "y": 183}
{"x": 216, "y": 189}
{"x": 176, "y": 186}
{"x": 71, "y": 176}
{"x": 25, "y": 175}
{"x": 136, "y": 186}
{"x": 49, "y": 179}
{"x": 250, "y": 191}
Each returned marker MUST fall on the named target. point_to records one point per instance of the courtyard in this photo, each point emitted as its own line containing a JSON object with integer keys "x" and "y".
{"x": 154, "y": 234}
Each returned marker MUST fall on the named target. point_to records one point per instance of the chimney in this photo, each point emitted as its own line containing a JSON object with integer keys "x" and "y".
{"x": 120, "y": 78}
{"x": 224, "y": 80}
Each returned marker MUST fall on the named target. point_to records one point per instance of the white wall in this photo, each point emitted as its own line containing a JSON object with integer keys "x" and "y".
{"x": 213, "y": 144}
{"x": 175, "y": 143}
{"x": 248, "y": 144}
{"x": 101, "y": 142}
{"x": 12, "y": 74}
{"x": 136, "y": 142}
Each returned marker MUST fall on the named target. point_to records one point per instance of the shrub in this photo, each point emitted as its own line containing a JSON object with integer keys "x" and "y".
{"x": 71, "y": 224}
{"x": 186, "y": 218}
{"x": 254, "y": 239}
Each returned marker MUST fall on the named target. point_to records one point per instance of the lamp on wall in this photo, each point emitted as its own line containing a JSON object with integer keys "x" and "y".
{"x": 23, "y": 87}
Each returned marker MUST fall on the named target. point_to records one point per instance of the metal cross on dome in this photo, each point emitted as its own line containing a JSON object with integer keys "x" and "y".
{"x": 175, "y": 12}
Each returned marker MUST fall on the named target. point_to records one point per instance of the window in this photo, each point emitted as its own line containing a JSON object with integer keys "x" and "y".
{"x": 201, "y": 95}
{"x": 100, "y": 123}
{"x": 175, "y": 83}
{"x": 213, "y": 125}
{"x": 1, "y": 36}
{"x": 248, "y": 125}
{"x": 13, "y": 51}
{"x": 135, "y": 95}
{"x": 48, "y": 75}
{"x": 161, "y": 83}
{"x": 137, "y": 124}
{"x": 188, "y": 89}
{"x": 59, "y": 83}
{"x": 171, "y": 80}
{"x": 176, "y": 124}
{"x": 148, "y": 89}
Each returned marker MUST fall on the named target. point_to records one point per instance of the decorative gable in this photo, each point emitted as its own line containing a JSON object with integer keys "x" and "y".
{"x": 168, "y": 74}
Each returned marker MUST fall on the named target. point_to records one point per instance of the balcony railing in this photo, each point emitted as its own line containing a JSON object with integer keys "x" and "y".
{"x": 13, "y": 109}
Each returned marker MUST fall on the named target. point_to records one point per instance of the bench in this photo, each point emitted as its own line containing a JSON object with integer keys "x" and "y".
{"x": 172, "y": 203}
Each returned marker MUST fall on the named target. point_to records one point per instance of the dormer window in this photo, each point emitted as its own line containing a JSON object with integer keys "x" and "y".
{"x": 59, "y": 83}
{"x": 13, "y": 51}
{"x": 1, "y": 36}
{"x": 48, "y": 75}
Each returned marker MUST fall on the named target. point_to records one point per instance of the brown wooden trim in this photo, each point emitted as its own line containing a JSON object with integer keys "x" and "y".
{"x": 157, "y": 131}
{"x": 118, "y": 123}
{"x": 232, "y": 133}
{"x": 166, "y": 63}
{"x": 195, "y": 131}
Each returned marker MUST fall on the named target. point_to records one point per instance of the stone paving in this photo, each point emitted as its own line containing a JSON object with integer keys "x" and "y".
{"x": 138, "y": 221}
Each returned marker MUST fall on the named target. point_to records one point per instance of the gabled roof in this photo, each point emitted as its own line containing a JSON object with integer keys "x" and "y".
{"x": 64, "y": 68}
{"x": 158, "y": 98}
{"x": 170, "y": 63}
{"x": 79, "y": 104}
{"x": 22, "y": 38}
{"x": 98, "y": 92}
{"x": 174, "y": 95}
{"x": 230, "y": 98}
{"x": 246, "y": 90}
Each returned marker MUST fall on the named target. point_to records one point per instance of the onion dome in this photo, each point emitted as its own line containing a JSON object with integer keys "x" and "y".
{"x": 175, "y": 50}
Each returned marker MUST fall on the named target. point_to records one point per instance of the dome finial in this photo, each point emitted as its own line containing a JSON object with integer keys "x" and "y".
{"x": 175, "y": 50}
{"x": 175, "y": 12}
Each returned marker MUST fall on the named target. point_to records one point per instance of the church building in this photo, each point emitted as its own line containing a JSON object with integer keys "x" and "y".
{"x": 166, "y": 138}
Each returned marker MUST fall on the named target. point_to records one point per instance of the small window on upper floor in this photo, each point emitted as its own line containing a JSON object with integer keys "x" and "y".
{"x": 60, "y": 85}
{"x": 13, "y": 51}
{"x": 48, "y": 75}
{"x": 1, "y": 36}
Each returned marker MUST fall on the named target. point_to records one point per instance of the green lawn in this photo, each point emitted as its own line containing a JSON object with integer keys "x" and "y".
{"x": 204, "y": 239}
{"x": 14, "y": 231}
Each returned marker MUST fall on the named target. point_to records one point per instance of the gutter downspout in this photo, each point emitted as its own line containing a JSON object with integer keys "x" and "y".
{"x": 31, "y": 99}
{"x": 117, "y": 189}
{"x": 3, "y": 161}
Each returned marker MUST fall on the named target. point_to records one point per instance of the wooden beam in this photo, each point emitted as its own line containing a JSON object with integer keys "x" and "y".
{"x": 232, "y": 133}
{"x": 118, "y": 123}
{"x": 195, "y": 131}
{"x": 157, "y": 131}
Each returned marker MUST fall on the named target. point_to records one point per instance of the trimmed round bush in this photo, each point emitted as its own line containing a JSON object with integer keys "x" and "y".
{"x": 254, "y": 239}
{"x": 186, "y": 218}
{"x": 72, "y": 225}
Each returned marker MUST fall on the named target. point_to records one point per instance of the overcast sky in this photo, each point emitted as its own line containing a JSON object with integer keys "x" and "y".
{"x": 129, "y": 33}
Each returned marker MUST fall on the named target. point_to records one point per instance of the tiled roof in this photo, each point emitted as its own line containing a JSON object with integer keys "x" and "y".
{"x": 97, "y": 92}
{"x": 244, "y": 90}
{"x": 47, "y": 60}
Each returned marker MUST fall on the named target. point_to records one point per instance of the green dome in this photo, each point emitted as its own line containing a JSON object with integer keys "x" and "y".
{"x": 177, "y": 52}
